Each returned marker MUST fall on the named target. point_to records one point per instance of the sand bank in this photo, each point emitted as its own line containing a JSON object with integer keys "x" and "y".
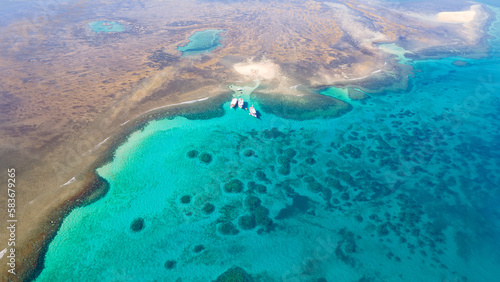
{"x": 265, "y": 70}
{"x": 460, "y": 16}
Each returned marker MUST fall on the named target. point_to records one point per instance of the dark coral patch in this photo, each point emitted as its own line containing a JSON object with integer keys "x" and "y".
{"x": 192, "y": 154}
{"x": 208, "y": 208}
{"x": 206, "y": 158}
{"x": 247, "y": 222}
{"x": 234, "y": 274}
{"x": 233, "y": 186}
{"x": 170, "y": 264}
{"x": 137, "y": 225}
{"x": 249, "y": 153}
{"x": 198, "y": 248}
{"x": 186, "y": 199}
{"x": 252, "y": 202}
{"x": 228, "y": 228}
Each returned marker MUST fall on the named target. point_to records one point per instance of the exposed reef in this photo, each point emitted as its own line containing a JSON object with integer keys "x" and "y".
{"x": 302, "y": 107}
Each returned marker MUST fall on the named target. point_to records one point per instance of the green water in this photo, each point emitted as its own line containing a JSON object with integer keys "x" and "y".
{"x": 404, "y": 187}
{"x": 202, "y": 42}
{"x": 106, "y": 26}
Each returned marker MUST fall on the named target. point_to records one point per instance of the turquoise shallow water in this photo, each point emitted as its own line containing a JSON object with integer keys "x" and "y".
{"x": 402, "y": 188}
{"x": 202, "y": 42}
{"x": 106, "y": 26}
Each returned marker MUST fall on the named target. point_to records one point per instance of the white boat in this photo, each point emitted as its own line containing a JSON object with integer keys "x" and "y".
{"x": 240, "y": 103}
{"x": 234, "y": 102}
{"x": 253, "y": 112}
{"x": 239, "y": 89}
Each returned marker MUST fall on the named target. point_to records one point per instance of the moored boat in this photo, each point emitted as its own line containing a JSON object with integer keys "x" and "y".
{"x": 233, "y": 102}
{"x": 253, "y": 112}
{"x": 240, "y": 103}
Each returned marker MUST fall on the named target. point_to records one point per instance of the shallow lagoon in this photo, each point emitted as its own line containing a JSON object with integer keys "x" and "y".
{"x": 106, "y": 26}
{"x": 403, "y": 187}
{"x": 202, "y": 42}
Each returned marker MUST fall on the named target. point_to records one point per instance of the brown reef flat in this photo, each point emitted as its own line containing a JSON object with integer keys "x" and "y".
{"x": 69, "y": 96}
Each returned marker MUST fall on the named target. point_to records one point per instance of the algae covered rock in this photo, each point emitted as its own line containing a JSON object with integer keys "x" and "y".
{"x": 233, "y": 186}
{"x": 234, "y": 274}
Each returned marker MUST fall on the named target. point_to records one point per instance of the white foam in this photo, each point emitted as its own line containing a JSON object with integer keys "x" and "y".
{"x": 2, "y": 253}
{"x": 69, "y": 182}
{"x": 100, "y": 144}
{"x": 187, "y": 102}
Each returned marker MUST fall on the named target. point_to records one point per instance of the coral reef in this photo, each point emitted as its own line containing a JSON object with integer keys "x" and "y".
{"x": 137, "y": 225}
{"x": 208, "y": 208}
{"x": 233, "y": 186}
{"x": 228, "y": 228}
{"x": 206, "y": 158}
{"x": 186, "y": 199}
{"x": 170, "y": 264}
{"x": 192, "y": 154}
{"x": 234, "y": 274}
{"x": 247, "y": 222}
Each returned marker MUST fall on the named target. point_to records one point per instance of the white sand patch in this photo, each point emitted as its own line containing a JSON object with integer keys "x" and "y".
{"x": 459, "y": 17}
{"x": 265, "y": 70}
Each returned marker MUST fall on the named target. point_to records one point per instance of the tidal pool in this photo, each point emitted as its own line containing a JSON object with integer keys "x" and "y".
{"x": 106, "y": 26}
{"x": 202, "y": 42}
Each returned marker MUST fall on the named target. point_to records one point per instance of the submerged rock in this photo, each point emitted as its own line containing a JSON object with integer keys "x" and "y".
{"x": 234, "y": 274}
{"x": 137, "y": 225}
{"x": 460, "y": 63}
{"x": 356, "y": 94}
